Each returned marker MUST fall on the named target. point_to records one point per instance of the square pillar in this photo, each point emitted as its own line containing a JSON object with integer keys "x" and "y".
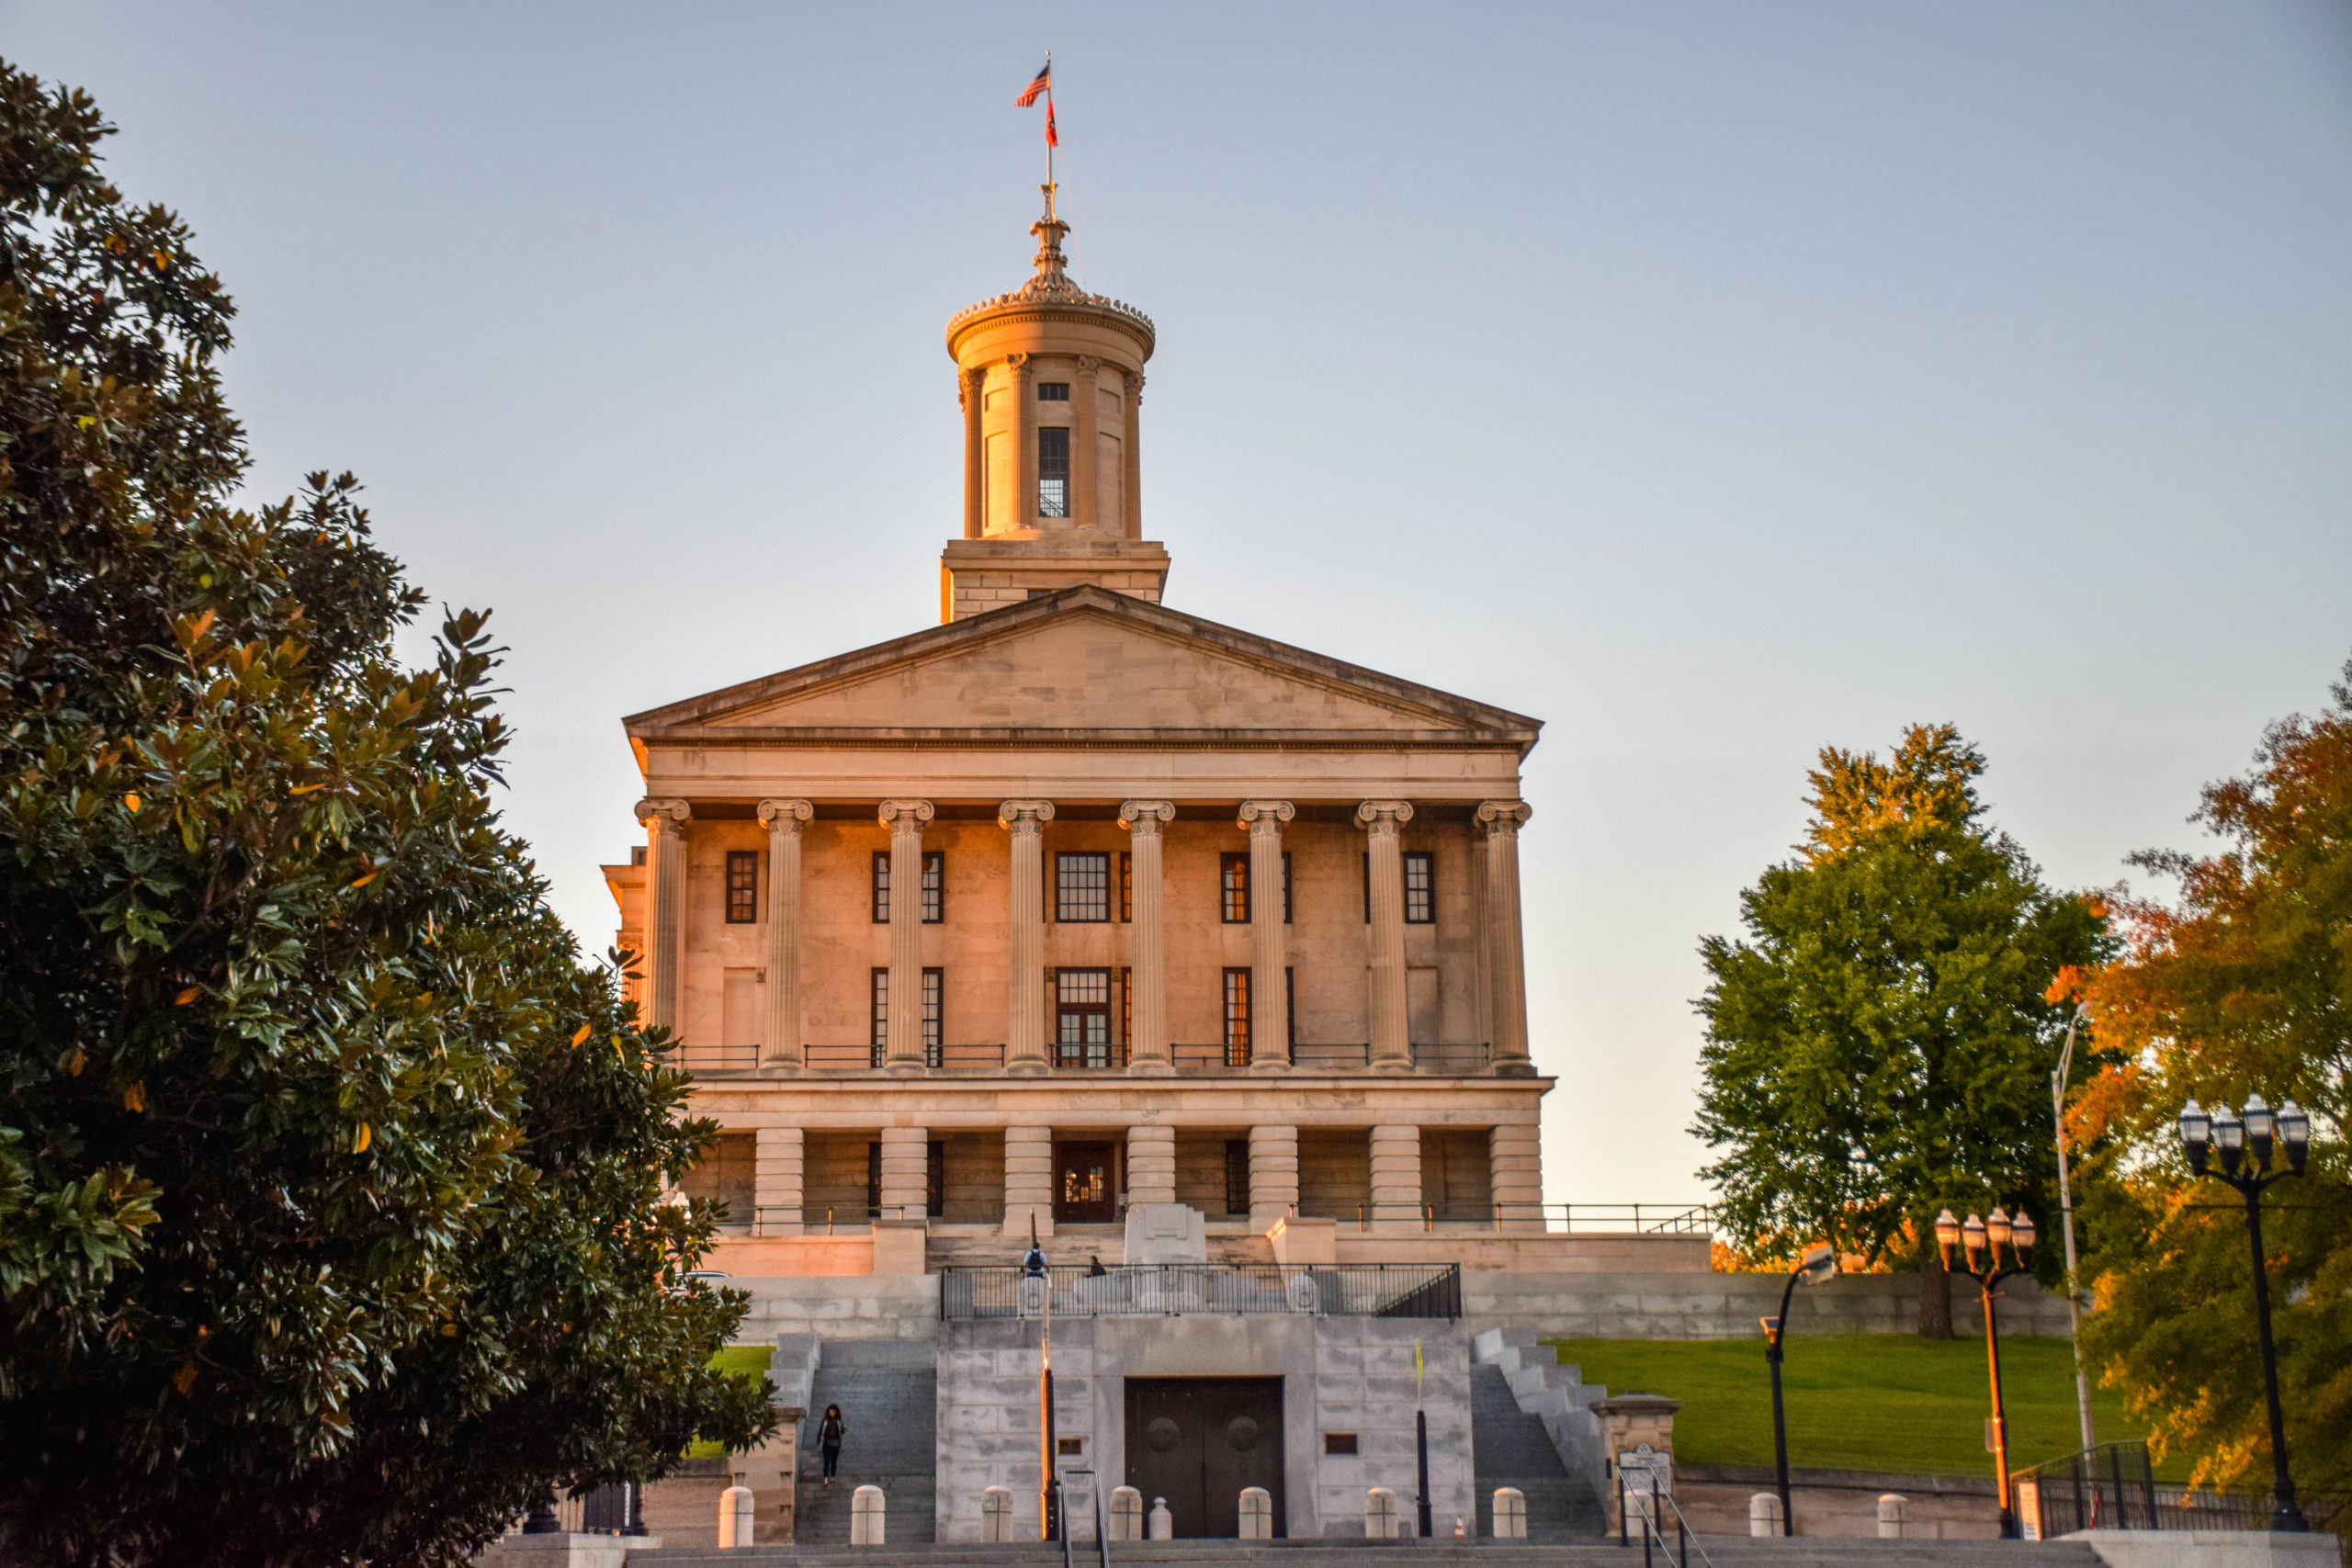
{"x": 1515, "y": 1161}
{"x": 1397, "y": 1179}
{"x": 1151, "y": 1165}
{"x": 906, "y": 1171}
{"x": 1028, "y": 1181}
{"x": 777, "y": 1171}
{"x": 1273, "y": 1174}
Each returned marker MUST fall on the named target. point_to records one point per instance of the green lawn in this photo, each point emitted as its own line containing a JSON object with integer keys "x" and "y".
{"x": 1885, "y": 1402}
{"x": 739, "y": 1359}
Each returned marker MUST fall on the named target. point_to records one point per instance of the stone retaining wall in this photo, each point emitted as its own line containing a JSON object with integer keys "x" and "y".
{"x": 1727, "y": 1306}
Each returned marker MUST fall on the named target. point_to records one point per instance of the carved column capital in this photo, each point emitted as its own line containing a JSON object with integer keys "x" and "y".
{"x": 1023, "y": 365}
{"x": 1142, "y": 818}
{"x": 1503, "y": 816}
{"x": 1025, "y": 817}
{"x": 1382, "y": 817}
{"x": 906, "y": 816}
{"x": 1266, "y": 816}
{"x": 1135, "y": 386}
{"x": 666, "y": 816}
{"x": 1089, "y": 363}
{"x": 785, "y": 815}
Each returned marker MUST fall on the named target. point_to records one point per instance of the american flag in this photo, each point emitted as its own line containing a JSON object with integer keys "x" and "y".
{"x": 1043, "y": 84}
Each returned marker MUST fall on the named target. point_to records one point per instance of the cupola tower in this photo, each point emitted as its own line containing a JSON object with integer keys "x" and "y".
{"x": 1051, "y": 382}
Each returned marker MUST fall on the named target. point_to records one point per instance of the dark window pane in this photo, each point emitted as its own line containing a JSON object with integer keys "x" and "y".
{"x": 1236, "y": 1018}
{"x": 934, "y": 887}
{"x": 881, "y": 887}
{"x": 1053, "y": 391}
{"x": 1286, "y": 887}
{"x": 1052, "y": 471}
{"x": 742, "y": 886}
{"x": 1420, "y": 888}
{"x": 1235, "y": 870}
{"x": 881, "y": 1013}
{"x": 932, "y": 1014}
{"x": 1081, "y": 886}
{"x": 1126, "y": 885}
{"x": 1237, "y": 1176}
{"x": 1082, "y": 1018}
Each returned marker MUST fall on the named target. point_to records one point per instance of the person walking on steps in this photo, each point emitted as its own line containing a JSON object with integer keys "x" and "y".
{"x": 829, "y": 1439}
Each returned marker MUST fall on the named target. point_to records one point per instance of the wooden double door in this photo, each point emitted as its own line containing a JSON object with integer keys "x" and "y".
{"x": 1086, "y": 1183}
{"x": 1198, "y": 1441}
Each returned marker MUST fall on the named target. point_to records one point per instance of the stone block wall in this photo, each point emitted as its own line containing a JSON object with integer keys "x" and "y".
{"x": 1629, "y": 1306}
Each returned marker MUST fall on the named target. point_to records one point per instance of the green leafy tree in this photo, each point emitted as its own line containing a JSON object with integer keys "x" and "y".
{"x": 329, "y": 1178}
{"x": 2242, "y": 987}
{"x": 1880, "y": 1045}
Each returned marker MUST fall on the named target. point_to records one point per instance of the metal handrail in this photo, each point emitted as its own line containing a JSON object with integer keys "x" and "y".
{"x": 1650, "y": 1526}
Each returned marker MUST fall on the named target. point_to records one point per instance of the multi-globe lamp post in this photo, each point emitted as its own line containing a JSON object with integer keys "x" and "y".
{"x": 2245, "y": 1146}
{"x": 1997, "y": 1248}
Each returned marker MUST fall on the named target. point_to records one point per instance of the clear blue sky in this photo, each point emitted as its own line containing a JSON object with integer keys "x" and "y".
{"x": 1714, "y": 381}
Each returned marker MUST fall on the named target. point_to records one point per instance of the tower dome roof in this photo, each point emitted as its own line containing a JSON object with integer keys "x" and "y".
{"x": 1053, "y": 290}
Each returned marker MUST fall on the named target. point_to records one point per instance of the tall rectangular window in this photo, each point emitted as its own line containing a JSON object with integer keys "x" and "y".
{"x": 1421, "y": 887}
{"x": 881, "y": 887}
{"x": 1237, "y": 1176}
{"x": 1082, "y": 1018}
{"x": 1053, "y": 470}
{"x": 1289, "y": 1009}
{"x": 1234, "y": 882}
{"x": 1367, "y": 888}
{"x": 1081, "y": 886}
{"x": 934, "y": 887}
{"x": 1126, "y": 886}
{"x": 1286, "y": 887}
{"x": 872, "y": 1179}
{"x": 1236, "y": 1018}
{"x": 742, "y": 886}
{"x": 933, "y": 1033}
{"x": 881, "y": 995}
{"x": 934, "y": 1179}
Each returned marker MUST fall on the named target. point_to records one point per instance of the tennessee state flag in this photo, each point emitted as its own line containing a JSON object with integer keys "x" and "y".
{"x": 1053, "y": 137}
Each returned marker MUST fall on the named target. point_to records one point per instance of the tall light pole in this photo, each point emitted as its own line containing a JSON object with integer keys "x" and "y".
{"x": 1040, "y": 1281}
{"x": 2066, "y": 1212}
{"x": 2257, "y": 1133}
{"x": 1999, "y": 1247}
{"x": 1818, "y": 1265}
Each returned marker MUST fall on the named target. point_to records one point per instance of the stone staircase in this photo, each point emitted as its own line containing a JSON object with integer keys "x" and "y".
{"x": 1074, "y": 1245}
{"x": 1714, "y": 1552}
{"x": 888, "y": 1391}
{"x": 1510, "y": 1448}
{"x": 1558, "y": 1401}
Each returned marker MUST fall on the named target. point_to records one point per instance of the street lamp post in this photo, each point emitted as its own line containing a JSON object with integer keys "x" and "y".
{"x": 2066, "y": 1217}
{"x": 1039, "y": 1282}
{"x": 1998, "y": 1246}
{"x": 2259, "y": 1132}
{"x": 1818, "y": 1265}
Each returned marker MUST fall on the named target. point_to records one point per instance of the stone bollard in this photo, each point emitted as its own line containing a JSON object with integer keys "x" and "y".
{"x": 866, "y": 1516}
{"x": 1764, "y": 1514}
{"x": 1511, "y": 1514}
{"x": 1257, "y": 1513}
{"x": 735, "y": 1518}
{"x": 996, "y": 1515}
{"x": 1163, "y": 1523}
{"x": 1379, "y": 1514}
{"x": 1892, "y": 1507}
{"x": 1126, "y": 1514}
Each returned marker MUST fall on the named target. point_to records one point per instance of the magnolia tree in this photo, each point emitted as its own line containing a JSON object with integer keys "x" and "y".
{"x": 330, "y": 1176}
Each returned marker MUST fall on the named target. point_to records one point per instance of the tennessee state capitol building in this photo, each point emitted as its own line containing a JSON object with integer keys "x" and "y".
{"x": 1076, "y": 910}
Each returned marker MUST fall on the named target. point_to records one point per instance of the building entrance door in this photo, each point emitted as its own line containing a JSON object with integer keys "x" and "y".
{"x": 1198, "y": 1441}
{"x": 1083, "y": 1188}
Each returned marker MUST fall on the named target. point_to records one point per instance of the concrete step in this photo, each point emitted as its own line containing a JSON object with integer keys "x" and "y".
{"x": 889, "y": 1392}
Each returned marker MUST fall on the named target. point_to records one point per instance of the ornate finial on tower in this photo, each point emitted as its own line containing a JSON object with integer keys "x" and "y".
{"x": 1049, "y": 231}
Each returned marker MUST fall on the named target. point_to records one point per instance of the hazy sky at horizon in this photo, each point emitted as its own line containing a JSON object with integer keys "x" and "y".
{"x": 1714, "y": 381}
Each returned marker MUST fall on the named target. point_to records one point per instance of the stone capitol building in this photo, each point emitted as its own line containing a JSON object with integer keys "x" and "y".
{"x": 1078, "y": 914}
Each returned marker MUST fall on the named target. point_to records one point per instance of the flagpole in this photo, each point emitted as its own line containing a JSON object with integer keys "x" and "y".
{"x": 1049, "y": 133}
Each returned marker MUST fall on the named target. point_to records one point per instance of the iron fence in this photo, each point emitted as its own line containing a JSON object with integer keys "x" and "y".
{"x": 2113, "y": 1486}
{"x": 1170, "y": 1289}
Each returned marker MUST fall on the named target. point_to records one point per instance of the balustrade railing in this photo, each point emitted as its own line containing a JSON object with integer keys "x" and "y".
{"x": 1548, "y": 1219}
{"x": 1112, "y": 1056}
{"x": 1170, "y": 1290}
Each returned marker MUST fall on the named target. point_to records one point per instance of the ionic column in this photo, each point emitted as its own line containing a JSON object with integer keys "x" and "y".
{"x": 971, "y": 394}
{"x": 1133, "y": 505}
{"x": 903, "y": 1053}
{"x": 665, "y": 908}
{"x": 1028, "y": 1181}
{"x": 1273, "y": 1174}
{"x": 778, "y": 1174}
{"x": 1515, "y": 1177}
{"x": 1025, "y": 439}
{"x": 1151, "y": 1165}
{"x": 1147, "y": 974}
{"x": 1269, "y": 1019}
{"x": 780, "y": 1029}
{"x": 1024, "y": 1030}
{"x": 1397, "y": 1178}
{"x": 905, "y": 1162}
{"x": 1384, "y": 822}
{"x": 1506, "y": 953}
{"x": 1082, "y": 456}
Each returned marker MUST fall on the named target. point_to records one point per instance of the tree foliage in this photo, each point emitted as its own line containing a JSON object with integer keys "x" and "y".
{"x": 1879, "y": 1045}
{"x": 330, "y": 1227}
{"x": 2242, "y": 987}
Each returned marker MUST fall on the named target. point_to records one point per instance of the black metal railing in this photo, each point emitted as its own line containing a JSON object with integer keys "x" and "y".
{"x": 2113, "y": 1486}
{"x": 1170, "y": 1289}
{"x": 718, "y": 1058}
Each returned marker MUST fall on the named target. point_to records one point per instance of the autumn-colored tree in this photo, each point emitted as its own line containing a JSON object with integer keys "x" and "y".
{"x": 1880, "y": 1045}
{"x": 329, "y": 1177}
{"x": 2242, "y": 986}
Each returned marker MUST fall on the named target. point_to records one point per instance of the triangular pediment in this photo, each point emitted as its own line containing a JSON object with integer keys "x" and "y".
{"x": 1086, "y": 660}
